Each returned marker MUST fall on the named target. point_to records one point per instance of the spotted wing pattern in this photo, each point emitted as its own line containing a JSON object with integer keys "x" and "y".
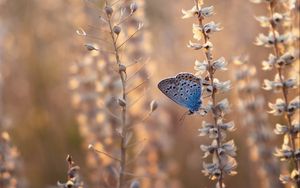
{"x": 184, "y": 89}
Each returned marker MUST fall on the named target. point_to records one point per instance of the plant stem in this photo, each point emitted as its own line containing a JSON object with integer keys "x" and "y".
{"x": 123, "y": 147}
{"x": 292, "y": 137}
{"x": 208, "y": 56}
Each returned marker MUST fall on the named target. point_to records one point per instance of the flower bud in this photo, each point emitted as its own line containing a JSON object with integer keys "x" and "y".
{"x": 70, "y": 184}
{"x": 91, "y": 147}
{"x": 153, "y": 106}
{"x": 122, "y": 102}
{"x": 122, "y": 68}
{"x": 117, "y": 30}
{"x": 90, "y": 47}
{"x": 135, "y": 184}
{"x": 133, "y": 7}
{"x": 108, "y": 10}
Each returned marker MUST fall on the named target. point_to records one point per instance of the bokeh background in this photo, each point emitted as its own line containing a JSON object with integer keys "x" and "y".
{"x": 38, "y": 46}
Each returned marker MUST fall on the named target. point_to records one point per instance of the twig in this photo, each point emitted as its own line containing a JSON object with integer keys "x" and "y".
{"x": 139, "y": 85}
{"x": 292, "y": 137}
{"x": 107, "y": 154}
{"x": 124, "y": 108}
{"x": 213, "y": 97}
{"x": 131, "y": 36}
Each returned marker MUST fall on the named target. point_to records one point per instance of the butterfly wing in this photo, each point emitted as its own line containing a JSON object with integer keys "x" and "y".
{"x": 190, "y": 87}
{"x": 170, "y": 88}
{"x": 184, "y": 89}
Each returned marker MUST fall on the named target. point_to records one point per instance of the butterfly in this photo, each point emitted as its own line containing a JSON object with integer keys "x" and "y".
{"x": 184, "y": 89}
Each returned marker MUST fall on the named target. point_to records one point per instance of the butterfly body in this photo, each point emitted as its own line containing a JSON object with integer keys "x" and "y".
{"x": 184, "y": 89}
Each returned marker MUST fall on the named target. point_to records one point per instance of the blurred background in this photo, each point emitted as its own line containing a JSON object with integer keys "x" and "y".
{"x": 39, "y": 45}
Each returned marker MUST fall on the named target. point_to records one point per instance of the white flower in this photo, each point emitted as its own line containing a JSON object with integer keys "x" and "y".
{"x": 212, "y": 170}
{"x": 286, "y": 59}
{"x": 219, "y": 64}
{"x": 277, "y": 85}
{"x": 293, "y": 178}
{"x": 195, "y": 46}
{"x": 222, "y": 86}
{"x": 284, "y": 153}
{"x": 208, "y": 129}
{"x": 268, "y": 41}
{"x": 208, "y": 28}
{"x": 272, "y": 85}
{"x": 229, "y": 166}
{"x": 263, "y": 40}
{"x": 227, "y": 126}
{"x": 197, "y": 31}
{"x": 228, "y": 148}
{"x": 294, "y": 105}
{"x": 264, "y": 21}
{"x": 204, "y": 12}
{"x": 222, "y": 107}
{"x": 281, "y": 129}
{"x": 211, "y": 27}
{"x": 282, "y": 38}
{"x": 278, "y": 108}
{"x": 201, "y": 67}
{"x": 296, "y": 126}
{"x": 268, "y": 65}
{"x": 290, "y": 83}
{"x": 276, "y": 19}
{"x": 207, "y": 11}
{"x": 189, "y": 13}
{"x": 209, "y": 149}
{"x": 206, "y": 109}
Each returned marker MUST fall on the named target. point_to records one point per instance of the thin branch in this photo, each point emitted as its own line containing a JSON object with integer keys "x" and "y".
{"x": 134, "y": 63}
{"x": 136, "y": 72}
{"x": 106, "y": 154}
{"x": 141, "y": 84}
{"x": 112, "y": 114}
{"x": 137, "y": 154}
{"x": 124, "y": 19}
{"x": 292, "y": 137}
{"x": 124, "y": 109}
{"x": 213, "y": 97}
{"x": 137, "y": 143}
{"x": 138, "y": 99}
{"x": 114, "y": 3}
{"x": 128, "y": 39}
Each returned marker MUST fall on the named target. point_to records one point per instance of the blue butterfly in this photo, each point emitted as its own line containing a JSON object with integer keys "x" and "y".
{"x": 184, "y": 89}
